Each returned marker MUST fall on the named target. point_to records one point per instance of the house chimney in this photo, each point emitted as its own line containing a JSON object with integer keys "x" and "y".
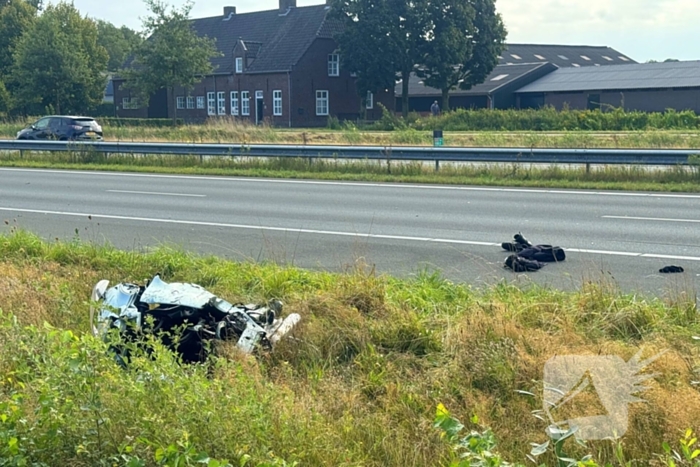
{"x": 287, "y": 4}
{"x": 229, "y": 11}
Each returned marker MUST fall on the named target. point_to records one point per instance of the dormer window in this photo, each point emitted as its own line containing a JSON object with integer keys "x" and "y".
{"x": 334, "y": 65}
{"x": 239, "y": 64}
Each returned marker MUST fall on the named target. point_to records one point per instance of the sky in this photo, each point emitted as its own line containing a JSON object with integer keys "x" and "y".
{"x": 642, "y": 29}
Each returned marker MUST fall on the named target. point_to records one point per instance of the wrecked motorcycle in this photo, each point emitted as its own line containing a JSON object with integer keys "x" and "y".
{"x": 185, "y": 317}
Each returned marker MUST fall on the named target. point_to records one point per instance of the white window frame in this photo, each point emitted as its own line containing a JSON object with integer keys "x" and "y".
{"x": 200, "y": 102}
{"x": 369, "y": 101}
{"x": 245, "y": 103}
{"x": 180, "y": 102}
{"x": 190, "y": 102}
{"x": 129, "y": 103}
{"x": 333, "y": 65}
{"x": 239, "y": 64}
{"x": 211, "y": 103}
{"x": 322, "y": 103}
{"x": 221, "y": 102}
{"x": 234, "y": 103}
{"x": 277, "y": 103}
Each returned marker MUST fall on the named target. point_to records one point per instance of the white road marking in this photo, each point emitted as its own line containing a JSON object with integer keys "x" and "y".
{"x": 155, "y": 193}
{"x": 358, "y": 184}
{"x": 325, "y": 232}
{"x": 659, "y": 219}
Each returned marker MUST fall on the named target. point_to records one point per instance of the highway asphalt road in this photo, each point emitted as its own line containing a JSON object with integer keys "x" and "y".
{"x": 615, "y": 237}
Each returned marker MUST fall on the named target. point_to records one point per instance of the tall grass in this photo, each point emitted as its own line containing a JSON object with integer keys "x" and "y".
{"x": 356, "y": 385}
{"x": 678, "y": 178}
{"x": 462, "y": 128}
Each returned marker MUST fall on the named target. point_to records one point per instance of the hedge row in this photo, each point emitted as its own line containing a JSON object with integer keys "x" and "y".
{"x": 548, "y": 119}
{"x": 139, "y": 122}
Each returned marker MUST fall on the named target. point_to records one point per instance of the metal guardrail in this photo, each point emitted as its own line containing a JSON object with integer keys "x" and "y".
{"x": 394, "y": 153}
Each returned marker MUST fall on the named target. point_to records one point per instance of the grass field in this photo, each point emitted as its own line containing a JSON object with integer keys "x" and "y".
{"x": 357, "y": 386}
{"x": 230, "y": 131}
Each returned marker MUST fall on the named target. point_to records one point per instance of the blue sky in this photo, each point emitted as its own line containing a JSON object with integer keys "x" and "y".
{"x": 642, "y": 29}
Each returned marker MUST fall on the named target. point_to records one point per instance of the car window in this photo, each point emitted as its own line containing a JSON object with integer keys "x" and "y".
{"x": 55, "y": 122}
{"x": 84, "y": 121}
{"x": 42, "y": 124}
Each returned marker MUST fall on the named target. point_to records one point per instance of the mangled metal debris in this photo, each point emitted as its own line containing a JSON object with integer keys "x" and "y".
{"x": 189, "y": 311}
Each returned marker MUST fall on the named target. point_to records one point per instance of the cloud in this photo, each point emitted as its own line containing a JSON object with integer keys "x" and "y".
{"x": 642, "y": 29}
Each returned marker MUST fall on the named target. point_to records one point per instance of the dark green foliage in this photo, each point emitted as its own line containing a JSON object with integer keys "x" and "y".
{"x": 395, "y": 27}
{"x": 139, "y": 122}
{"x": 58, "y": 63}
{"x": 16, "y": 17}
{"x": 119, "y": 43}
{"x": 173, "y": 56}
{"x": 465, "y": 40}
{"x": 549, "y": 119}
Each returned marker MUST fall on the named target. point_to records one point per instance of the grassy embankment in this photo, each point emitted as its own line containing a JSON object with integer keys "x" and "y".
{"x": 358, "y": 385}
{"x": 676, "y": 179}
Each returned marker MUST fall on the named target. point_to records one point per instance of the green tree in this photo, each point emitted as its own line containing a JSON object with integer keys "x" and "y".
{"x": 382, "y": 41}
{"x": 4, "y": 98}
{"x": 172, "y": 56}
{"x": 119, "y": 43}
{"x": 464, "y": 42}
{"x": 16, "y": 17}
{"x": 59, "y": 64}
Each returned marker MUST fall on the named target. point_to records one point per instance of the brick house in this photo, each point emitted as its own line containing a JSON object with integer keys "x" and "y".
{"x": 278, "y": 66}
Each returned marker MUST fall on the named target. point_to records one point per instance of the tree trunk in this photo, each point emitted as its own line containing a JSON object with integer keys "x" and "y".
{"x": 446, "y": 100}
{"x": 405, "y": 76}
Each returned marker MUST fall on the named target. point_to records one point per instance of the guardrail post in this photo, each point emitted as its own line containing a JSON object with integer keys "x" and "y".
{"x": 588, "y": 168}
{"x": 437, "y": 165}
{"x": 387, "y": 153}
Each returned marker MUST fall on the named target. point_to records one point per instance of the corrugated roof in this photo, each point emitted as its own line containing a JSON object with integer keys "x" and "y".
{"x": 619, "y": 77}
{"x": 501, "y": 75}
{"x": 563, "y": 56}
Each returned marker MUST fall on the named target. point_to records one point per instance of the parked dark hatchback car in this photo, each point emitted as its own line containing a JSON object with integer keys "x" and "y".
{"x": 63, "y": 128}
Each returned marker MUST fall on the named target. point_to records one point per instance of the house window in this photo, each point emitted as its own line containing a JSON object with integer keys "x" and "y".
{"x": 245, "y": 103}
{"x": 211, "y": 103}
{"x": 321, "y": 103}
{"x": 190, "y": 102}
{"x": 334, "y": 65}
{"x": 200, "y": 102}
{"x": 129, "y": 103}
{"x": 369, "y": 102}
{"x": 234, "y": 102}
{"x": 239, "y": 64}
{"x": 221, "y": 101}
{"x": 277, "y": 103}
{"x": 180, "y": 102}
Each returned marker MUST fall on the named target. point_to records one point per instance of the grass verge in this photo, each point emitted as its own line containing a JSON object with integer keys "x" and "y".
{"x": 630, "y": 178}
{"x": 358, "y": 385}
{"x": 229, "y": 130}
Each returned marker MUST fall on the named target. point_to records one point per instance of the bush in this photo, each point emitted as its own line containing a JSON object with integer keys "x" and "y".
{"x": 140, "y": 122}
{"x": 550, "y": 119}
